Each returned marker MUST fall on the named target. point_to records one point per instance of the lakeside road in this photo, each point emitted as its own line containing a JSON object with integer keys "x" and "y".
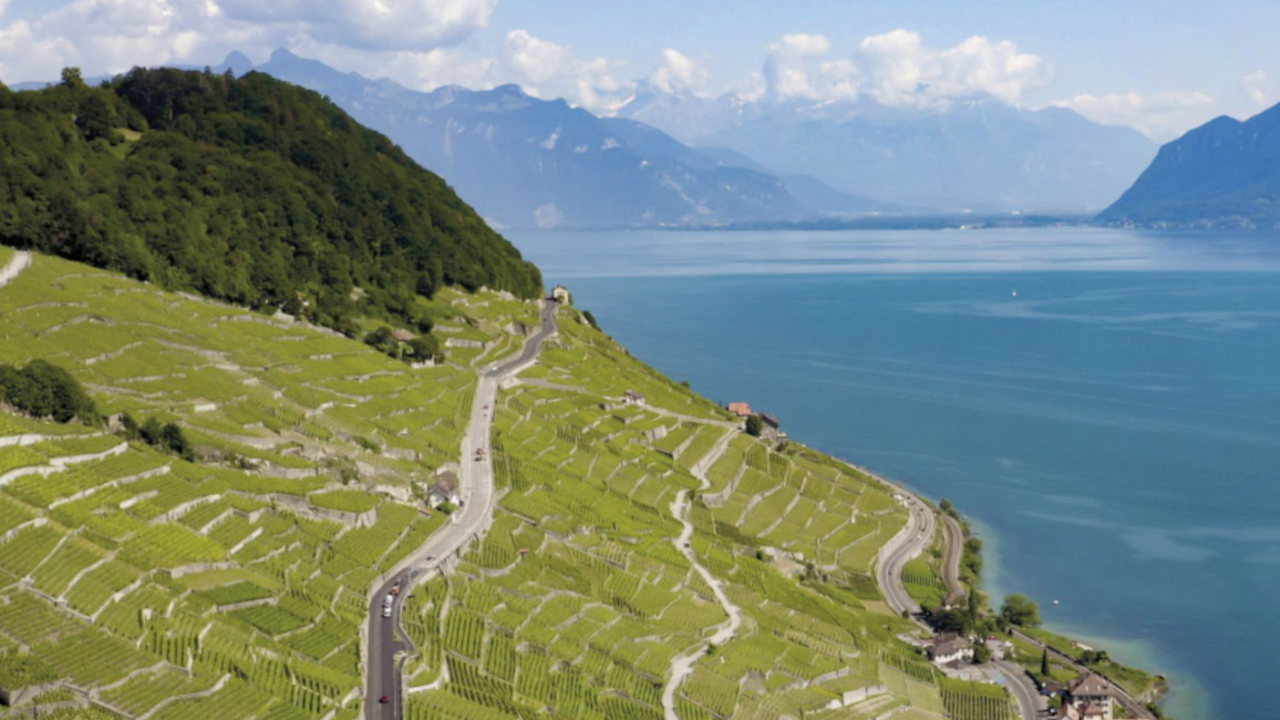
{"x": 1031, "y": 704}
{"x": 910, "y": 541}
{"x": 954, "y": 536}
{"x": 386, "y": 640}
{"x": 1132, "y": 705}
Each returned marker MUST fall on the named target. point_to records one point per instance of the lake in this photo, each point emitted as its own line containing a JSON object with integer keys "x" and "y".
{"x": 1104, "y": 404}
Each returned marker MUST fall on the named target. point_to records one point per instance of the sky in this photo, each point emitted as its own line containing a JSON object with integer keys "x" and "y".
{"x": 1161, "y": 67}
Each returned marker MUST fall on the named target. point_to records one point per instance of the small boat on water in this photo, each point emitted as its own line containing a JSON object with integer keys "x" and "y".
{"x": 1015, "y": 293}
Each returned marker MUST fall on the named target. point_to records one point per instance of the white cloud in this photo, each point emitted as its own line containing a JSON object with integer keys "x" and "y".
{"x": 790, "y": 69}
{"x": 898, "y": 68}
{"x": 678, "y": 73}
{"x": 549, "y": 70}
{"x": 1162, "y": 116}
{"x": 107, "y": 36}
{"x": 413, "y": 25}
{"x": 1257, "y": 88}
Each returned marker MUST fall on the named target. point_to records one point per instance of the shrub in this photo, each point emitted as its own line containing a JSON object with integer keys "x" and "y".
{"x": 44, "y": 390}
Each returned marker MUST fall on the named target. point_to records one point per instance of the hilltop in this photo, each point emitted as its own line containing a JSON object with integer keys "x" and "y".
{"x": 248, "y": 189}
{"x": 1223, "y": 173}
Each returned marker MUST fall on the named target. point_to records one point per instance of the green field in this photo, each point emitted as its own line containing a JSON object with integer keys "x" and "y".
{"x": 602, "y": 602}
{"x": 275, "y": 409}
{"x": 196, "y": 577}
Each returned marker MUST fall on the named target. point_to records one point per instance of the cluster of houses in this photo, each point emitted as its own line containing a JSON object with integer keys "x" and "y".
{"x": 771, "y": 428}
{"x": 1088, "y": 697}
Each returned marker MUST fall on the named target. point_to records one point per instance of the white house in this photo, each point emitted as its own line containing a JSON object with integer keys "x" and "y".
{"x": 950, "y": 648}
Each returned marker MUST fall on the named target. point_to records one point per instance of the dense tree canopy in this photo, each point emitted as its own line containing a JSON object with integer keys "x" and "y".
{"x": 250, "y": 190}
{"x": 43, "y": 390}
{"x": 1018, "y": 610}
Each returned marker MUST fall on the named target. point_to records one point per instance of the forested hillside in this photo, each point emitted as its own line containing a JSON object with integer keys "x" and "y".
{"x": 249, "y": 190}
{"x": 1225, "y": 173}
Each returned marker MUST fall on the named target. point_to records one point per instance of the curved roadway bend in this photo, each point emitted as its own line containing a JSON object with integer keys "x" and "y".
{"x": 910, "y": 542}
{"x": 907, "y": 544}
{"x": 469, "y": 523}
{"x": 1031, "y": 704}
{"x": 951, "y": 564}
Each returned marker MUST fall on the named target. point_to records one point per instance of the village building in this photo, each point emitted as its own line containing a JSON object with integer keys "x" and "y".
{"x": 771, "y": 429}
{"x": 1089, "y": 697}
{"x": 950, "y": 649}
{"x": 631, "y": 397}
{"x": 741, "y": 409}
{"x": 444, "y": 489}
{"x": 562, "y": 295}
{"x": 403, "y": 335}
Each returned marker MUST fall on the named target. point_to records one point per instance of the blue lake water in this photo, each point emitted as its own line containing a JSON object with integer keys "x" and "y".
{"x": 1114, "y": 428}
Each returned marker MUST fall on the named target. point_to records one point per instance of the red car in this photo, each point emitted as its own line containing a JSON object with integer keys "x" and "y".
{"x": 384, "y": 700}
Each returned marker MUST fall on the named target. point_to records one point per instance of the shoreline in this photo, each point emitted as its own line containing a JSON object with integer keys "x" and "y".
{"x": 1184, "y": 700}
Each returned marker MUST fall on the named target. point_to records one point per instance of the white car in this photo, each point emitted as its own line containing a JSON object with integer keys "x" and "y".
{"x": 386, "y": 611}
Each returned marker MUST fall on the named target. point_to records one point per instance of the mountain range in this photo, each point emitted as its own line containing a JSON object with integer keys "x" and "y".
{"x": 971, "y": 154}
{"x": 671, "y": 158}
{"x": 526, "y": 162}
{"x": 1225, "y": 173}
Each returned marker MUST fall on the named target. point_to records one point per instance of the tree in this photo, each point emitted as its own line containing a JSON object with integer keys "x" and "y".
{"x": 43, "y": 390}
{"x": 130, "y": 426}
{"x": 981, "y": 654}
{"x": 151, "y": 431}
{"x": 426, "y": 347}
{"x": 94, "y": 118}
{"x": 975, "y": 608}
{"x": 945, "y": 506}
{"x": 172, "y": 438}
{"x": 72, "y": 78}
{"x": 591, "y": 319}
{"x": 1044, "y": 662}
{"x": 755, "y": 426}
{"x": 949, "y": 621}
{"x": 1021, "y": 611}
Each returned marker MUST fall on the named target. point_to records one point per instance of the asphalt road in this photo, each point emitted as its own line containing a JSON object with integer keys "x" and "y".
{"x": 470, "y": 521}
{"x": 951, "y": 563}
{"x": 1031, "y": 704}
{"x": 907, "y": 544}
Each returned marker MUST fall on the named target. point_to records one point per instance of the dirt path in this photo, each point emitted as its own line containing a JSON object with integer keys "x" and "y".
{"x": 19, "y": 262}
{"x": 682, "y": 665}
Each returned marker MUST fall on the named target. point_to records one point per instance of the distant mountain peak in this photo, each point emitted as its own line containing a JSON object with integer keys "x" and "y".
{"x": 1225, "y": 173}
{"x": 523, "y": 161}
{"x": 237, "y": 62}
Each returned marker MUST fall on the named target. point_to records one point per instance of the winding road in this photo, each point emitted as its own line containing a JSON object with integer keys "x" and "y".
{"x": 386, "y": 641}
{"x": 910, "y": 541}
{"x": 682, "y": 665}
{"x": 1031, "y": 704}
{"x": 951, "y": 563}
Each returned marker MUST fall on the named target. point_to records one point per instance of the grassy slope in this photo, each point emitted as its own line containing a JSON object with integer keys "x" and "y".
{"x": 587, "y": 622}
{"x": 288, "y": 399}
{"x": 585, "y": 625}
